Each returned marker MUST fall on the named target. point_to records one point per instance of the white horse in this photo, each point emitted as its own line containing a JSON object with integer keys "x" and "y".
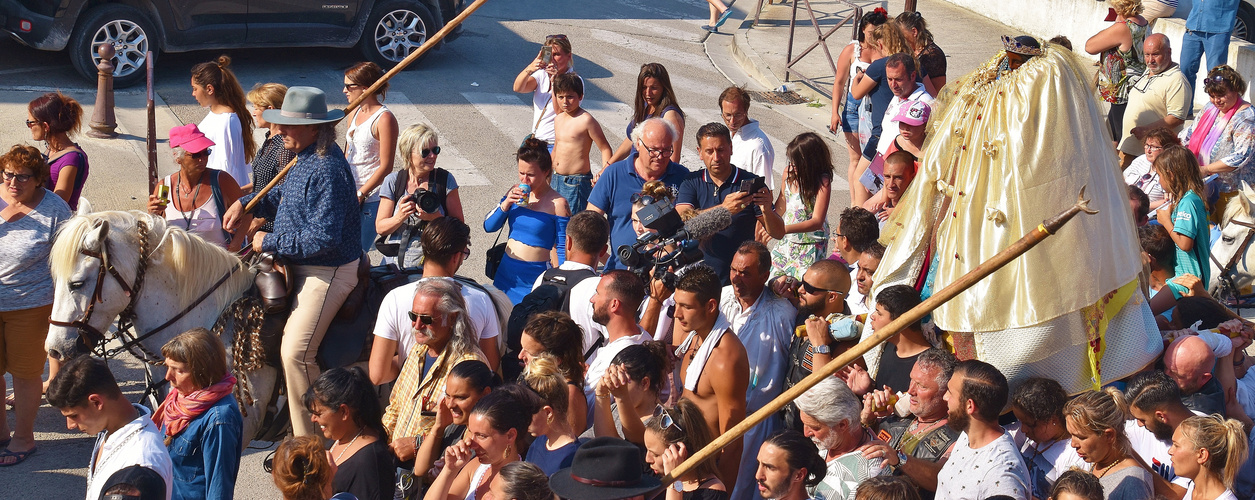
{"x": 1232, "y": 259}
{"x": 95, "y": 261}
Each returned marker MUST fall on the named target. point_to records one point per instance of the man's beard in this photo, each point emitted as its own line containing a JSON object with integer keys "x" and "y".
{"x": 600, "y": 316}
{"x": 774, "y": 493}
{"x": 1162, "y": 431}
{"x": 828, "y": 443}
{"x": 958, "y": 420}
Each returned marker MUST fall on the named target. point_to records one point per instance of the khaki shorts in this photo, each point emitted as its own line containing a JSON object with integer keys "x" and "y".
{"x": 22, "y": 335}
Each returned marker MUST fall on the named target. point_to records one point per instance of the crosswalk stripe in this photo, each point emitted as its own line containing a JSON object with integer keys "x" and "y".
{"x": 651, "y": 49}
{"x": 450, "y": 158}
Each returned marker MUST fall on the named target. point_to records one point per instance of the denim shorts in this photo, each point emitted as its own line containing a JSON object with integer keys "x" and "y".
{"x": 575, "y": 188}
{"x": 849, "y": 117}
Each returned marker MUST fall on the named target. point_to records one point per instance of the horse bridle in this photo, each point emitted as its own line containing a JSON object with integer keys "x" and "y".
{"x": 95, "y": 337}
{"x": 1224, "y": 275}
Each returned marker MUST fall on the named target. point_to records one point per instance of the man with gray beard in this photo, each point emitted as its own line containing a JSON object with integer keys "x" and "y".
{"x": 830, "y": 417}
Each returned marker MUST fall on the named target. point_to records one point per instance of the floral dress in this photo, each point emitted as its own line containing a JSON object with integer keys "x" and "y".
{"x": 1119, "y": 69}
{"x": 797, "y": 251}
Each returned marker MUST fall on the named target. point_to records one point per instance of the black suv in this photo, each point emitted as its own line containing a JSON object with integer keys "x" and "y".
{"x": 385, "y": 30}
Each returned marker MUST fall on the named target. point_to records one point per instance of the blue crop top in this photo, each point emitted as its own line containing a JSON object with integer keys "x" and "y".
{"x": 529, "y": 227}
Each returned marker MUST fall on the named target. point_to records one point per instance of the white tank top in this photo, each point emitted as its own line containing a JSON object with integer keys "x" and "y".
{"x": 202, "y": 221}
{"x": 363, "y": 149}
{"x": 856, "y": 65}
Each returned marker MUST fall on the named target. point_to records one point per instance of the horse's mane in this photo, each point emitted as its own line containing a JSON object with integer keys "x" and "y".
{"x": 196, "y": 262}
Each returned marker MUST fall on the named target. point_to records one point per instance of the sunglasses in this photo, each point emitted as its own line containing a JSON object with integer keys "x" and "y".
{"x": 425, "y": 319}
{"x": 428, "y": 152}
{"x": 9, "y": 176}
{"x": 555, "y": 37}
{"x": 643, "y": 199}
{"x": 668, "y": 421}
{"x": 31, "y": 123}
{"x": 814, "y": 290}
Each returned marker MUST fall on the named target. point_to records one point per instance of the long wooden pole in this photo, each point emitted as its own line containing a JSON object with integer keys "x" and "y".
{"x": 431, "y": 42}
{"x": 1043, "y": 231}
{"x": 152, "y": 126}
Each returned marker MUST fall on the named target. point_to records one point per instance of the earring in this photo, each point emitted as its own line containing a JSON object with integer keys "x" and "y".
{"x": 506, "y": 455}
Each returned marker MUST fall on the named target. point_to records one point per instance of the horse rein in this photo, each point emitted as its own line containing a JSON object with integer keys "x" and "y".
{"x": 1226, "y": 270}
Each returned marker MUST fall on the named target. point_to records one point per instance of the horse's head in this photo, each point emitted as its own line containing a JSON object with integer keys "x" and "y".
{"x": 93, "y": 263}
{"x": 1227, "y": 260}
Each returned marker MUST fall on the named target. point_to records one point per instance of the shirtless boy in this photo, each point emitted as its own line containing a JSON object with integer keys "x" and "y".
{"x": 575, "y": 132}
{"x": 714, "y": 365}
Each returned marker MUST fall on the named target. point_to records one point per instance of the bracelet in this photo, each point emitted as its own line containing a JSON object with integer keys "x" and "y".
{"x": 599, "y": 396}
{"x": 416, "y": 445}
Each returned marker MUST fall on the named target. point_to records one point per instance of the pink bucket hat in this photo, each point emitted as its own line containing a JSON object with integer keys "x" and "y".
{"x": 189, "y": 138}
{"x": 914, "y": 113}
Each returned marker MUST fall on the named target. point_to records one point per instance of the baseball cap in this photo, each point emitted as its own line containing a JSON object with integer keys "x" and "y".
{"x": 914, "y": 113}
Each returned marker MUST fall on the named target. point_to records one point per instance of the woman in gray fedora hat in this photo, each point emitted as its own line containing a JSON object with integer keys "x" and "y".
{"x": 316, "y": 231}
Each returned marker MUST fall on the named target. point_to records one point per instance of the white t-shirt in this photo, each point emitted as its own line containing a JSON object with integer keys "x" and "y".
{"x": 227, "y": 153}
{"x": 976, "y": 474}
{"x": 543, "y": 107}
{"x": 580, "y": 297}
{"x": 1045, "y": 464}
{"x": 1153, "y": 451}
{"x": 394, "y": 319}
{"x": 752, "y": 151}
{"x": 888, "y": 127}
{"x": 139, "y": 442}
{"x": 1227, "y": 495}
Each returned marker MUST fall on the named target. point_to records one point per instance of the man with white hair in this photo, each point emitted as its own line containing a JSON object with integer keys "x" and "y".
{"x": 830, "y": 417}
{"x": 650, "y": 160}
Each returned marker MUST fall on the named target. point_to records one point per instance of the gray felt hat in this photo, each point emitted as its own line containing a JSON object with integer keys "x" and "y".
{"x": 303, "y": 106}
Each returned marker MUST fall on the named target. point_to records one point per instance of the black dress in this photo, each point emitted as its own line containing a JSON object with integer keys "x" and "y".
{"x": 266, "y": 165}
{"x": 370, "y": 474}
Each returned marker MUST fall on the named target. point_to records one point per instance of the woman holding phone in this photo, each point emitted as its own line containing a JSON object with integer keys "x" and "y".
{"x": 537, "y": 78}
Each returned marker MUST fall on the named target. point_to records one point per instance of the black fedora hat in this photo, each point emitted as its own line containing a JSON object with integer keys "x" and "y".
{"x": 148, "y": 482}
{"x": 604, "y": 468}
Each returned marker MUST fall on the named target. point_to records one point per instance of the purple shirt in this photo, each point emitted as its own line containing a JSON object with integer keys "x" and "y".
{"x": 77, "y": 159}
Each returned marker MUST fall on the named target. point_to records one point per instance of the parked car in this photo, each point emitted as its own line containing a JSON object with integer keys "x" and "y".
{"x": 386, "y": 31}
{"x": 1244, "y": 28}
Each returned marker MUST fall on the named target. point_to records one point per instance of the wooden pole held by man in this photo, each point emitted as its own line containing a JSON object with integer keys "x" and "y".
{"x": 431, "y": 42}
{"x": 1043, "y": 231}
{"x": 152, "y": 126}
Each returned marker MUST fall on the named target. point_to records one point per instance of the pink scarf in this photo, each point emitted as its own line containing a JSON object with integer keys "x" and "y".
{"x": 1206, "y": 134}
{"x": 178, "y": 409}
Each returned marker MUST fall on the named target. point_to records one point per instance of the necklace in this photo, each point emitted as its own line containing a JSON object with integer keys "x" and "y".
{"x": 1104, "y": 470}
{"x": 187, "y": 216}
{"x": 350, "y": 445}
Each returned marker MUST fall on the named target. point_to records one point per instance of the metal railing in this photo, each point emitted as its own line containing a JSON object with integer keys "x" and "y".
{"x": 856, "y": 13}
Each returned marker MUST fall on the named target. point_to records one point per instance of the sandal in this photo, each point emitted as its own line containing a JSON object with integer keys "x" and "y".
{"x": 21, "y": 456}
{"x": 724, "y": 18}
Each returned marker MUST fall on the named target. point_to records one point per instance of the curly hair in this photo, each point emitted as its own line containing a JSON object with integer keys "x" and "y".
{"x": 26, "y": 157}
{"x": 1224, "y": 79}
{"x": 301, "y": 468}
{"x": 561, "y": 339}
{"x": 1127, "y": 8}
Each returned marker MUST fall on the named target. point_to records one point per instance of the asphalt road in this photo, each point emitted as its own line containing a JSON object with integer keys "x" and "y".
{"x": 463, "y": 90}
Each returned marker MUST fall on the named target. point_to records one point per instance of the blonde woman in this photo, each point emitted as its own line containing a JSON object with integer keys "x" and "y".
{"x": 1119, "y": 50}
{"x": 1096, "y": 422}
{"x": 272, "y": 156}
{"x": 555, "y": 443}
{"x": 1209, "y": 450}
{"x": 402, "y": 214}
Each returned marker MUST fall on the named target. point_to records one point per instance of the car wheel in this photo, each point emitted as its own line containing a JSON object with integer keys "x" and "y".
{"x": 131, "y": 35}
{"x": 1244, "y": 27}
{"x": 394, "y": 31}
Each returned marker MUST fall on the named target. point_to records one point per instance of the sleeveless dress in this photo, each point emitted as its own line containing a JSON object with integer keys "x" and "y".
{"x": 362, "y": 152}
{"x": 479, "y": 476}
{"x": 1119, "y": 68}
{"x": 203, "y": 221}
{"x": 797, "y": 251}
{"x": 849, "y": 118}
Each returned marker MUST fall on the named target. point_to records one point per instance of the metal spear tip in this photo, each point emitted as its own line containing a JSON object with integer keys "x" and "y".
{"x": 1082, "y": 203}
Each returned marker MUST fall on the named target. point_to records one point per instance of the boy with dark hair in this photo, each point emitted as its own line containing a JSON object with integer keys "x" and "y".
{"x": 575, "y": 131}
{"x": 897, "y": 355}
{"x": 857, "y": 230}
{"x": 1041, "y": 433}
{"x": 89, "y": 398}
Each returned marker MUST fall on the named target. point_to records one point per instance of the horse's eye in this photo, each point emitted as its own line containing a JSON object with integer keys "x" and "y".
{"x": 1227, "y": 239}
{"x": 75, "y": 285}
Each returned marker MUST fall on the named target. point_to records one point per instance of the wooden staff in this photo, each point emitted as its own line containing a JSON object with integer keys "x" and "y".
{"x": 431, "y": 42}
{"x": 1044, "y": 230}
{"x": 152, "y": 126}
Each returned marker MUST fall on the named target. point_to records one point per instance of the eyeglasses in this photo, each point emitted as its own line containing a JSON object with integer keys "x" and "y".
{"x": 425, "y": 319}
{"x": 31, "y": 123}
{"x": 814, "y": 290}
{"x": 668, "y": 421}
{"x": 1153, "y": 148}
{"x": 21, "y": 178}
{"x": 466, "y": 252}
{"x": 657, "y": 153}
{"x": 428, "y": 152}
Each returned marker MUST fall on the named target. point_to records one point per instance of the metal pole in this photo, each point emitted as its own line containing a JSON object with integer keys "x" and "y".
{"x": 1043, "y": 231}
{"x": 152, "y": 126}
{"x": 431, "y": 42}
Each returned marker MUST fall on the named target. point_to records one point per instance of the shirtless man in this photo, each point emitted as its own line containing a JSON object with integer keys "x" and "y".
{"x": 575, "y": 131}
{"x": 714, "y": 366}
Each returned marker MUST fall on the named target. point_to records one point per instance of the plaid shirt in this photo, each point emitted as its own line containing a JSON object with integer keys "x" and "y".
{"x": 413, "y": 394}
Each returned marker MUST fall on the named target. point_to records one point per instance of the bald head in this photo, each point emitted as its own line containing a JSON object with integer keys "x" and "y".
{"x": 1189, "y": 361}
{"x": 1157, "y": 53}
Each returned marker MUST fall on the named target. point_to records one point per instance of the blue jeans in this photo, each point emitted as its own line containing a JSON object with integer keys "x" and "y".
{"x": 1196, "y": 43}
{"x": 575, "y": 188}
{"x": 369, "y": 210}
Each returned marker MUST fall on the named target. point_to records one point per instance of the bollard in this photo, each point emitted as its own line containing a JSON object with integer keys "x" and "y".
{"x": 103, "y": 121}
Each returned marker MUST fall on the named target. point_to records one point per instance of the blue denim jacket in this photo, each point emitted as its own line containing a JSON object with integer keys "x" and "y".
{"x": 206, "y": 455}
{"x": 1212, "y": 16}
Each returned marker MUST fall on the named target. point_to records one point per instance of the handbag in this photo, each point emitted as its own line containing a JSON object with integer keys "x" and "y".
{"x": 492, "y": 258}
{"x": 274, "y": 282}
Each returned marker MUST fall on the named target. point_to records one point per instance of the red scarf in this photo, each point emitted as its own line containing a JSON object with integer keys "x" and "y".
{"x": 179, "y": 409}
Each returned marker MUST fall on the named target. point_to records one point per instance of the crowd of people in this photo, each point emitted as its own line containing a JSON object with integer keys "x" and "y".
{"x": 626, "y": 363}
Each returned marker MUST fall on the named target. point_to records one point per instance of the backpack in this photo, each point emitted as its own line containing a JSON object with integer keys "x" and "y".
{"x": 553, "y": 294}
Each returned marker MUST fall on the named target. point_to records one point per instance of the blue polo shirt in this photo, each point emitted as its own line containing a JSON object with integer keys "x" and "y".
{"x": 613, "y": 195}
{"x": 1212, "y": 16}
{"x": 700, "y": 191}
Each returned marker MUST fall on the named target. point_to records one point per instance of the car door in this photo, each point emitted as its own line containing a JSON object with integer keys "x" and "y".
{"x": 205, "y": 23}
{"x": 302, "y": 22}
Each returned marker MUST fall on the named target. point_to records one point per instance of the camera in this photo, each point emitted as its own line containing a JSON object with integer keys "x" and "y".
{"x": 650, "y": 250}
{"x": 426, "y": 200}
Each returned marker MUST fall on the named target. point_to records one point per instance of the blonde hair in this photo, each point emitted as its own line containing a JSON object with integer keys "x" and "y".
{"x": 689, "y": 427}
{"x": 1097, "y": 411}
{"x": 268, "y": 95}
{"x": 656, "y": 190}
{"x": 891, "y": 40}
{"x": 418, "y": 136}
{"x": 1127, "y": 8}
{"x": 1224, "y": 439}
{"x": 544, "y": 377}
{"x": 301, "y": 468}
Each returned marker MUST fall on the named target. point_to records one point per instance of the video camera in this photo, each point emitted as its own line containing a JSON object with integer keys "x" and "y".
{"x": 651, "y": 249}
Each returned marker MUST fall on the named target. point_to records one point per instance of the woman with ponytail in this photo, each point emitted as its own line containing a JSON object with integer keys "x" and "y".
{"x": 1095, "y": 420}
{"x": 555, "y": 442}
{"x": 537, "y": 216}
{"x": 229, "y": 124}
{"x": 301, "y": 469}
{"x": 53, "y": 118}
{"x": 1209, "y": 451}
{"x": 629, "y": 391}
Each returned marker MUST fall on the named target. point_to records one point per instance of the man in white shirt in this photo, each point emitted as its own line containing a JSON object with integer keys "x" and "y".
{"x": 446, "y": 245}
{"x": 985, "y": 461}
{"x": 751, "y": 149}
{"x": 587, "y": 240}
{"x": 764, "y": 323}
{"x": 618, "y": 297}
{"x": 901, "y": 75}
{"x": 89, "y": 398}
{"x": 1155, "y": 403}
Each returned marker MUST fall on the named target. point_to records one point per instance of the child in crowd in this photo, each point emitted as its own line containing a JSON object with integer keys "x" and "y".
{"x": 1186, "y": 217}
{"x": 575, "y": 131}
{"x": 886, "y": 488}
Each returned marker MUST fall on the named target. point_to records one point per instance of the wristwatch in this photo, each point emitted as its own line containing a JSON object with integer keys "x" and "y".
{"x": 678, "y": 486}
{"x": 902, "y": 458}
{"x": 822, "y": 349}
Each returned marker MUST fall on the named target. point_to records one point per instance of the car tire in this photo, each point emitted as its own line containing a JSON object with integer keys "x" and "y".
{"x": 1244, "y": 27}
{"x": 394, "y": 30}
{"x": 127, "y": 29}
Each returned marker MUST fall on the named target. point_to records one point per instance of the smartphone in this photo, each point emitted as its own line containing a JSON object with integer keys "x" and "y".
{"x": 163, "y": 193}
{"x": 753, "y": 185}
{"x": 546, "y": 54}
